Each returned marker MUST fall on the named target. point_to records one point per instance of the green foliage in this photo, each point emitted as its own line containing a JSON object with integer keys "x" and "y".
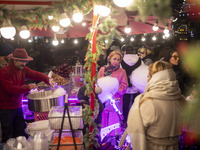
{"x": 38, "y": 17}
{"x": 151, "y": 8}
{"x": 108, "y": 28}
{"x": 191, "y": 59}
{"x": 89, "y": 120}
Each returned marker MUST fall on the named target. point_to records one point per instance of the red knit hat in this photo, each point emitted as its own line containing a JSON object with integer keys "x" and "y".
{"x": 20, "y": 54}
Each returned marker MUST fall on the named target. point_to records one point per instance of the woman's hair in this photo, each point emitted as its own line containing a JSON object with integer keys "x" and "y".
{"x": 142, "y": 50}
{"x": 163, "y": 52}
{"x": 158, "y": 66}
{"x": 153, "y": 68}
{"x": 115, "y": 53}
{"x": 168, "y": 55}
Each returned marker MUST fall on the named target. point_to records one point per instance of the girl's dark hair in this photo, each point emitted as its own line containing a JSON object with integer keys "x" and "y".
{"x": 168, "y": 55}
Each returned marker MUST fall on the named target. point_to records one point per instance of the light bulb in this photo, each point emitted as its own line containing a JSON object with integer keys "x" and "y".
{"x": 123, "y": 3}
{"x": 167, "y": 35}
{"x": 122, "y": 39}
{"x": 64, "y": 21}
{"x": 127, "y": 29}
{"x": 30, "y": 40}
{"x": 106, "y": 41}
{"x": 164, "y": 37}
{"x": 24, "y": 33}
{"x": 50, "y": 17}
{"x": 8, "y": 31}
{"x": 143, "y": 39}
{"x": 62, "y": 41}
{"x": 84, "y": 24}
{"x": 166, "y": 30}
{"x": 155, "y": 27}
{"x": 75, "y": 41}
{"x": 77, "y": 17}
{"x": 154, "y": 38}
{"x": 91, "y": 30}
{"x": 55, "y": 28}
{"x": 132, "y": 39}
{"x": 102, "y": 10}
{"x": 55, "y": 41}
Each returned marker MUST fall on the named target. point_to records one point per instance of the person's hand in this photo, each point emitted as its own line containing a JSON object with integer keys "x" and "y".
{"x": 32, "y": 86}
{"x": 52, "y": 83}
{"x": 117, "y": 96}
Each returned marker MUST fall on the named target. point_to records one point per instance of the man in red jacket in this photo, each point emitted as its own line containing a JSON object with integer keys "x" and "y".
{"x": 12, "y": 89}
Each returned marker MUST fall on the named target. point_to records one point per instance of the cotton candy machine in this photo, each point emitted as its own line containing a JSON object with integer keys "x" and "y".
{"x": 42, "y": 101}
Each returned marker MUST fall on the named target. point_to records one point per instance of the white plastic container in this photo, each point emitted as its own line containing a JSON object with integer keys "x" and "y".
{"x": 56, "y": 113}
{"x": 42, "y": 125}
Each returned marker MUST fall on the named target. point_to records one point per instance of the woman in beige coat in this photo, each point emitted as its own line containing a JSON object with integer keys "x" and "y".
{"x": 153, "y": 121}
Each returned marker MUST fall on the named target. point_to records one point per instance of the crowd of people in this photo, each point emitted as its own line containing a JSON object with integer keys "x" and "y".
{"x": 150, "y": 105}
{"x": 152, "y": 116}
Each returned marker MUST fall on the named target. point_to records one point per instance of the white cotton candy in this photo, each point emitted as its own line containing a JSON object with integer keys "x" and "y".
{"x": 139, "y": 77}
{"x": 58, "y": 92}
{"x": 109, "y": 86}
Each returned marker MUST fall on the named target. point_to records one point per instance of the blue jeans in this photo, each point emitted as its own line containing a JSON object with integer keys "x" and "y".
{"x": 12, "y": 123}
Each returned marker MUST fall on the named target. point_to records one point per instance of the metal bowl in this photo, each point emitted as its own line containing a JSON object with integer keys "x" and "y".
{"x": 43, "y": 101}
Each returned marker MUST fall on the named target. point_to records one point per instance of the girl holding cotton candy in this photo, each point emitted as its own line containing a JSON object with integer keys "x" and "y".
{"x": 112, "y": 80}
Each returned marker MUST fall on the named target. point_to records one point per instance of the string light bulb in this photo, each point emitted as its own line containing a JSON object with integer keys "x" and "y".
{"x": 83, "y": 24}
{"x": 75, "y": 41}
{"x": 55, "y": 28}
{"x": 155, "y": 26}
{"x": 30, "y": 40}
{"x": 55, "y": 42}
{"x": 8, "y": 31}
{"x": 123, "y": 3}
{"x": 166, "y": 30}
{"x": 77, "y": 17}
{"x": 47, "y": 40}
{"x": 64, "y": 21}
{"x": 132, "y": 39}
{"x": 62, "y": 41}
{"x": 143, "y": 39}
{"x": 154, "y": 38}
{"x": 50, "y": 17}
{"x": 127, "y": 29}
{"x": 103, "y": 11}
{"x": 24, "y": 33}
{"x": 167, "y": 35}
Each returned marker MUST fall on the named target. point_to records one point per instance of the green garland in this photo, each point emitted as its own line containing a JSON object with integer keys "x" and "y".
{"x": 89, "y": 119}
{"x": 38, "y": 17}
{"x": 108, "y": 27}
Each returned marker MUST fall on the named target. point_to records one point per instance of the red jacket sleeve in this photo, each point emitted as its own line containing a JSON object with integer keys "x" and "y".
{"x": 35, "y": 75}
